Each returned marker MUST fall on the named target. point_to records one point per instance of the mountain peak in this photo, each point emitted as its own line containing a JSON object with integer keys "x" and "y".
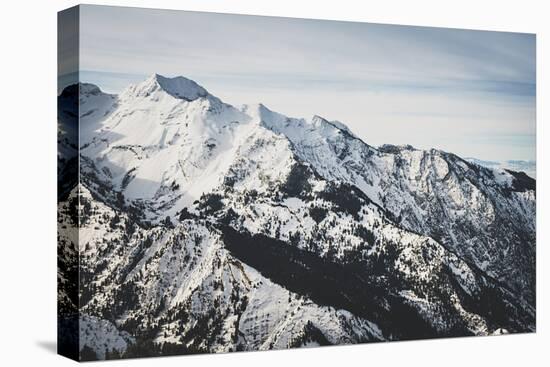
{"x": 272, "y": 120}
{"x": 178, "y": 87}
{"x": 318, "y": 121}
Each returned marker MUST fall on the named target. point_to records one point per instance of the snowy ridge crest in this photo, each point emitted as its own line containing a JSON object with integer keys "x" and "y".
{"x": 178, "y": 87}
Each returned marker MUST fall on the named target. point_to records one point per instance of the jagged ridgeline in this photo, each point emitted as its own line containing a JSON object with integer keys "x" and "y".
{"x": 202, "y": 227}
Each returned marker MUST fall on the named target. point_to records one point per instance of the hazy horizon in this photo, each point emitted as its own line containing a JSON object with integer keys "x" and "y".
{"x": 468, "y": 92}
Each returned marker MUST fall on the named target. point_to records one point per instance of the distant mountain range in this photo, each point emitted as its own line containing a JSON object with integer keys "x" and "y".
{"x": 529, "y": 167}
{"x": 203, "y": 227}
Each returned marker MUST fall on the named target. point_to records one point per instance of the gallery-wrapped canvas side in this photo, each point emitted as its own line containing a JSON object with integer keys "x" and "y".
{"x": 67, "y": 184}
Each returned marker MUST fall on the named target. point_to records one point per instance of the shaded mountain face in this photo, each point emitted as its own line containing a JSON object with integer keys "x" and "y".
{"x": 205, "y": 228}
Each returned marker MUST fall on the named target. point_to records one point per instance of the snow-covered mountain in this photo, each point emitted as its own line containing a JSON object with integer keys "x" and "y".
{"x": 203, "y": 227}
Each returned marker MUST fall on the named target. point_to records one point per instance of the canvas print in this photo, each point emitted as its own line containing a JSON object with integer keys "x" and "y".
{"x": 243, "y": 183}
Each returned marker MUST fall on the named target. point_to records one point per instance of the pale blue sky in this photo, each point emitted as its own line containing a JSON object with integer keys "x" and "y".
{"x": 469, "y": 92}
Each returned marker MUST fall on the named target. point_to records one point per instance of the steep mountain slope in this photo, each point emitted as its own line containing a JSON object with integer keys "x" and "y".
{"x": 179, "y": 285}
{"x": 206, "y": 228}
{"x": 156, "y": 140}
{"x": 487, "y": 216}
